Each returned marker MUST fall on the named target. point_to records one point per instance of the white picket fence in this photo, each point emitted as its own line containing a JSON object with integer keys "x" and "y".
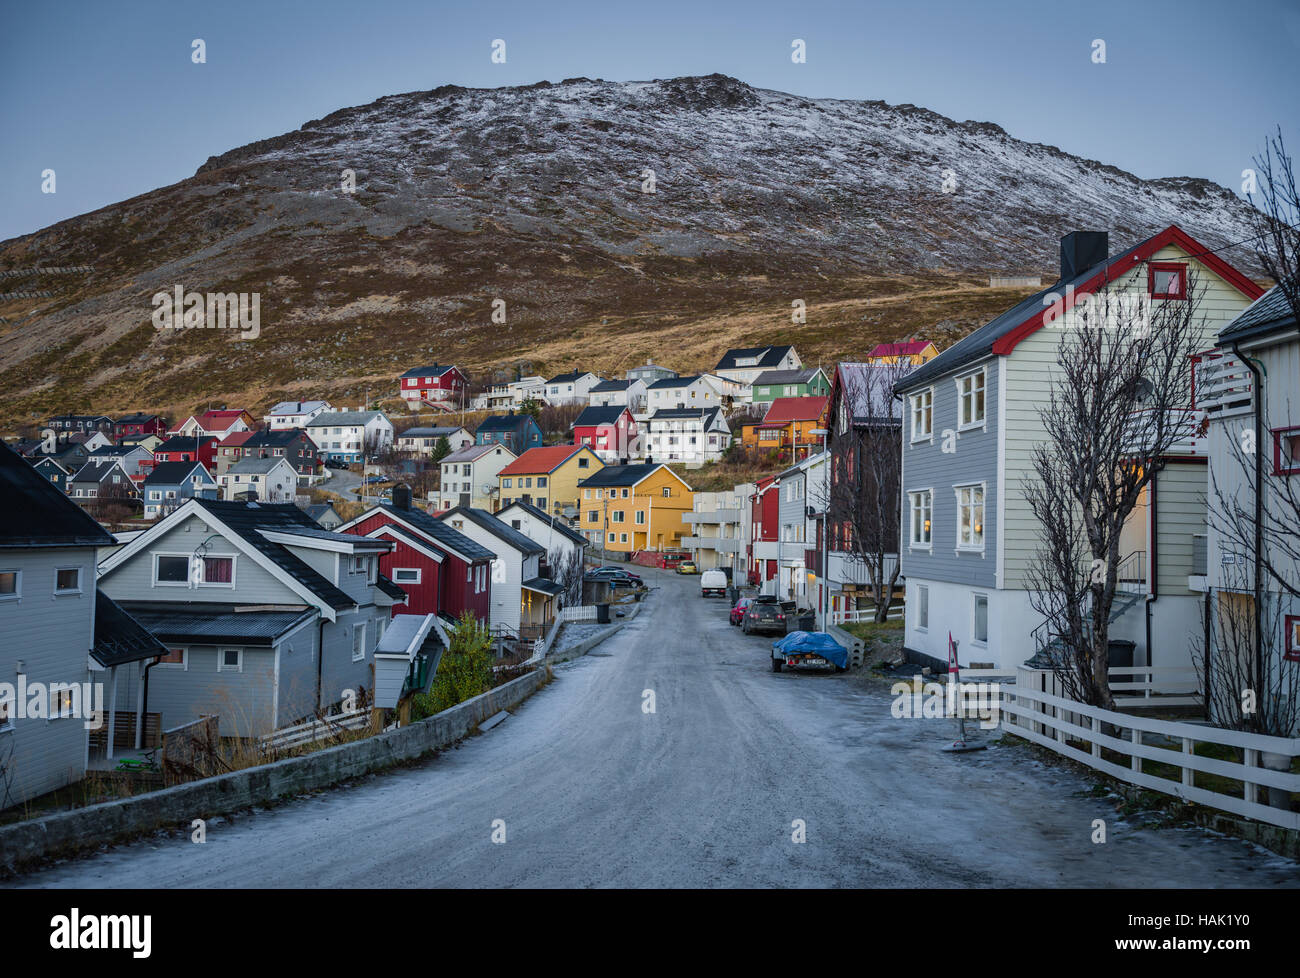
{"x": 1053, "y": 722}
{"x": 316, "y": 729}
{"x": 580, "y": 612}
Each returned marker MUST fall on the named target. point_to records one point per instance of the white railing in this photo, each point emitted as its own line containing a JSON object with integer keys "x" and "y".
{"x": 896, "y": 613}
{"x": 317, "y": 729}
{"x": 580, "y": 612}
{"x": 1143, "y": 686}
{"x": 1084, "y": 733}
{"x": 1224, "y": 385}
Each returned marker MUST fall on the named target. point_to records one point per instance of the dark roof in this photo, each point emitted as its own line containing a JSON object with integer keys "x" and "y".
{"x": 183, "y": 443}
{"x": 566, "y": 378}
{"x": 120, "y": 638}
{"x": 602, "y": 414}
{"x": 315, "y": 532}
{"x": 676, "y": 381}
{"x": 502, "y": 531}
{"x": 543, "y": 585}
{"x": 705, "y": 414}
{"x": 204, "y": 623}
{"x": 768, "y": 356}
{"x": 317, "y": 510}
{"x": 558, "y": 524}
{"x": 171, "y": 473}
{"x": 436, "y": 370}
{"x": 620, "y": 475}
{"x": 269, "y": 438}
{"x": 787, "y": 376}
{"x": 440, "y": 532}
{"x": 979, "y": 344}
{"x": 390, "y": 589}
{"x": 245, "y": 519}
{"x": 611, "y": 385}
{"x": 1270, "y": 312}
{"x": 96, "y": 471}
{"x": 33, "y": 513}
{"x": 140, "y": 417}
{"x": 504, "y": 422}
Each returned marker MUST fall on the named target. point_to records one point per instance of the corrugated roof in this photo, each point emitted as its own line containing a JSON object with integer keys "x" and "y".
{"x": 1269, "y": 312}
{"x": 547, "y": 458}
{"x": 119, "y": 637}
{"x": 204, "y": 623}
{"x": 786, "y": 376}
{"x": 440, "y": 532}
{"x": 34, "y": 513}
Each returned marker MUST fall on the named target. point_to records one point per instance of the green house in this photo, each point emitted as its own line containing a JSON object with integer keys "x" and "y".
{"x": 809, "y": 382}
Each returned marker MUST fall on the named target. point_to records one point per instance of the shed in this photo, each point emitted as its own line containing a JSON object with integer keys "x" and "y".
{"x": 407, "y": 657}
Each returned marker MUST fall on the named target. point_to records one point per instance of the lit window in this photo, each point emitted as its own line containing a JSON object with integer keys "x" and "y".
{"x": 921, "y": 510}
{"x": 67, "y": 580}
{"x": 970, "y": 516}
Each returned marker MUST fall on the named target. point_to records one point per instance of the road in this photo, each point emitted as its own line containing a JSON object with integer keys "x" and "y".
{"x": 705, "y": 791}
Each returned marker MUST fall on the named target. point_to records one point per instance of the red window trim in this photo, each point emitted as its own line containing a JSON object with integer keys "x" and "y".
{"x": 1167, "y": 266}
{"x": 1278, "y": 434}
{"x": 1288, "y": 652}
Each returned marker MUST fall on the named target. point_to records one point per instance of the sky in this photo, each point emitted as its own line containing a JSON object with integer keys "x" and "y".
{"x": 105, "y": 93}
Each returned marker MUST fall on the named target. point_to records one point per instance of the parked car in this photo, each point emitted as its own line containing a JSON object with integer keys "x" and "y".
{"x": 614, "y": 580}
{"x": 611, "y": 569}
{"x": 687, "y": 567}
{"x": 809, "y": 650}
{"x": 713, "y": 582}
{"x": 336, "y": 463}
{"x": 738, "y": 612}
{"x": 764, "y": 614}
{"x": 372, "y": 479}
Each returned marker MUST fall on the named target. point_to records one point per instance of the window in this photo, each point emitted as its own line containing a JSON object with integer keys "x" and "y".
{"x": 1291, "y": 647}
{"x": 622, "y": 538}
{"x": 640, "y": 516}
{"x": 1167, "y": 280}
{"x": 922, "y": 414}
{"x": 218, "y": 570}
{"x": 586, "y": 494}
{"x": 583, "y": 462}
{"x": 922, "y": 607}
{"x": 67, "y": 580}
{"x": 1286, "y": 451}
{"x": 616, "y": 516}
{"x": 980, "y": 624}
{"x": 169, "y": 569}
{"x": 625, "y": 493}
{"x": 406, "y": 575}
{"x": 11, "y": 582}
{"x": 667, "y": 492}
{"x": 970, "y": 516}
{"x": 230, "y": 660}
{"x": 612, "y": 537}
{"x": 970, "y": 399}
{"x": 922, "y": 503}
{"x": 358, "y": 641}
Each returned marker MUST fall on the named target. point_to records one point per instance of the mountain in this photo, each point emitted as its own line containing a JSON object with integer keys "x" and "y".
{"x": 884, "y": 220}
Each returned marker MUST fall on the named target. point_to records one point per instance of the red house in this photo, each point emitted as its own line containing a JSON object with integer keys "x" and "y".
{"x": 764, "y": 507}
{"x": 139, "y": 424}
{"x": 608, "y": 430}
{"x": 439, "y": 385}
{"x": 220, "y": 422}
{"x": 180, "y": 448}
{"x": 441, "y": 570}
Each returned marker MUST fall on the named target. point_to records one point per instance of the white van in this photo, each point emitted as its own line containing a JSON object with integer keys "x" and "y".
{"x": 713, "y": 582}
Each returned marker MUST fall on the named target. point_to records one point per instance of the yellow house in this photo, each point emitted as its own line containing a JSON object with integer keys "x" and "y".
{"x": 548, "y": 478}
{"x": 909, "y": 351}
{"x": 635, "y": 507}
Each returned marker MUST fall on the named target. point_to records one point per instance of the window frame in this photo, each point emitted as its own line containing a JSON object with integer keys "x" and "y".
{"x": 912, "y": 496}
{"x": 221, "y": 660}
{"x": 1291, "y": 638}
{"x": 913, "y": 401}
{"x": 359, "y": 629}
{"x": 1278, "y": 435}
{"x": 67, "y": 592}
{"x": 983, "y": 374}
{"x": 1167, "y": 266}
{"x": 234, "y": 570}
{"x": 397, "y": 571}
{"x": 975, "y": 598}
{"x": 922, "y": 608}
{"x": 18, "y": 584}
{"x": 983, "y": 499}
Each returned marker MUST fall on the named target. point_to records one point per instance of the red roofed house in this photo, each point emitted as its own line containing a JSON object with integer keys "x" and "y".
{"x": 221, "y": 423}
{"x": 442, "y": 386}
{"x": 913, "y": 352}
{"x": 231, "y": 450}
{"x": 548, "y": 478}
{"x": 789, "y": 424}
{"x": 608, "y": 430}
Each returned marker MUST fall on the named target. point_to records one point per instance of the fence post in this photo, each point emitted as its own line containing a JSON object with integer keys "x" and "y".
{"x": 1096, "y": 731}
{"x": 1188, "y": 773}
{"x": 1137, "y": 758}
{"x": 1251, "y": 759}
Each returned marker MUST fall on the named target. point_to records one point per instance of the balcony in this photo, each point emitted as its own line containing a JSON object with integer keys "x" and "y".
{"x": 722, "y": 545}
{"x": 1224, "y": 386}
{"x": 715, "y": 516}
{"x": 1189, "y": 424}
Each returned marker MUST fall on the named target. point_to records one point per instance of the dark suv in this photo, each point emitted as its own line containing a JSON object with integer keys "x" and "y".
{"x": 764, "y": 614}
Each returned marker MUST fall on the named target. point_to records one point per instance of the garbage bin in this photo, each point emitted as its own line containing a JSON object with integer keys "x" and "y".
{"x": 1119, "y": 652}
{"x": 602, "y": 613}
{"x": 808, "y": 622}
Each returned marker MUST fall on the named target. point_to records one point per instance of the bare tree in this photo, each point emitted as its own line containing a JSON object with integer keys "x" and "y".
{"x": 863, "y": 487}
{"x": 1120, "y": 402}
{"x": 1276, "y": 216}
{"x": 567, "y": 571}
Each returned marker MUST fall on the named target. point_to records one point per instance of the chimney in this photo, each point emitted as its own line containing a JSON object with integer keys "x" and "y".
{"x": 401, "y": 496}
{"x": 1082, "y": 250}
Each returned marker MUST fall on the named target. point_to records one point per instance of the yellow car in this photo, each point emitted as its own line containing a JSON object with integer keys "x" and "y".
{"x": 686, "y": 567}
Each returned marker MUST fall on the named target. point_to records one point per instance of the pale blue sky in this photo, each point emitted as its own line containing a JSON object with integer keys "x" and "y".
{"x": 105, "y": 93}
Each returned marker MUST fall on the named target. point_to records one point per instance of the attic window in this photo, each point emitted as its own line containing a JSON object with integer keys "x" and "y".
{"x": 1167, "y": 280}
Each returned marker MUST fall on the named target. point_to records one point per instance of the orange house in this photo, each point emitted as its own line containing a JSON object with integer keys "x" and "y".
{"x": 789, "y": 425}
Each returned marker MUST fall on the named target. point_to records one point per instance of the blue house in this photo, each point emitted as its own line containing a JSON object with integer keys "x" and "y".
{"x": 171, "y": 483}
{"x": 517, "y": 432}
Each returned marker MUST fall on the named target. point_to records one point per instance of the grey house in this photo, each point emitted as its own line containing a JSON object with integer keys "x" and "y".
{"x": 266, "y": 616}
{"x": 52, "y": 621}
{"x": 171, "y": 483}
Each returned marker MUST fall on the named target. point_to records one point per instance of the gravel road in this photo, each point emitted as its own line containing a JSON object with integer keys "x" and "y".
{"x": 704, "y": 791}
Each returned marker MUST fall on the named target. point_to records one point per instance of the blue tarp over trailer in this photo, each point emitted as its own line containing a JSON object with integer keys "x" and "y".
{"x": 817, "y": 642}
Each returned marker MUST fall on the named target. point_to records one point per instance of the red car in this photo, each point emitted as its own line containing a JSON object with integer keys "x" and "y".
{"x": 738, "y": 612}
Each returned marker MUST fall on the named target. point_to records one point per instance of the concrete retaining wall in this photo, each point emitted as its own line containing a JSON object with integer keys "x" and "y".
{"x": 64, "y": 833}
{"x": 585, "y": 646}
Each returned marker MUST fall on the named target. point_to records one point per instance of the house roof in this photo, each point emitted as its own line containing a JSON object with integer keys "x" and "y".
{"x": 203, "y": 623}
{"x": 1270, "y": 312}
{"x": 119, "y": 637}
{"x": 546, "y": 458}
{"x": 139, "y": 417}
{"x": 394, "y": 591}
{"x": 472, "y": 452}
{"x": 183, "y": 443}
{"x": 543, "y": 586}
{"x": 787, "y": 376}
{"x": 787, "y": 409}
{"x": 502, "y": 531}
{"x": 317, "y": 510}
{"x": 675, "y": 381}
{"x": 258, "y": 466}
{"x": 97, "y": 471}
{"x": 219, "y": 420}
{"x": 557, "y": 524}
{"x": 436, "y": 370}
{"x": 330, "y": 419}
{"x": 767, "y": 356}
{"x": 172, "y": 473}
{"x": 33, "y": 513}
{"x": 1001, "y": 334}
{"x": 439, "y": 532}
{"x": 569, "y": 377}
{"x": 273, "y": 438}
{"x": 599, "y": 414}
{"x": 247, "y": 519}
{"x": 443, "y": 432}
{"x": 606, "y": 386}
{"x": 908, "y": 349}
{"x": 505, "y": 422}
{"x": 621, "y": 475}
{"x": 705, "y": 414}
{"x": 235, "y": 439}
{"x": 290, "y": 408}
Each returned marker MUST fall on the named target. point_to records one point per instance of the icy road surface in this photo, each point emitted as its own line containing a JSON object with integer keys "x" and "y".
{"x": 705, "y": 791}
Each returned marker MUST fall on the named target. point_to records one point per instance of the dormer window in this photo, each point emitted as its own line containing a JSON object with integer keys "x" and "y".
{"x": 1167, "y": 280}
